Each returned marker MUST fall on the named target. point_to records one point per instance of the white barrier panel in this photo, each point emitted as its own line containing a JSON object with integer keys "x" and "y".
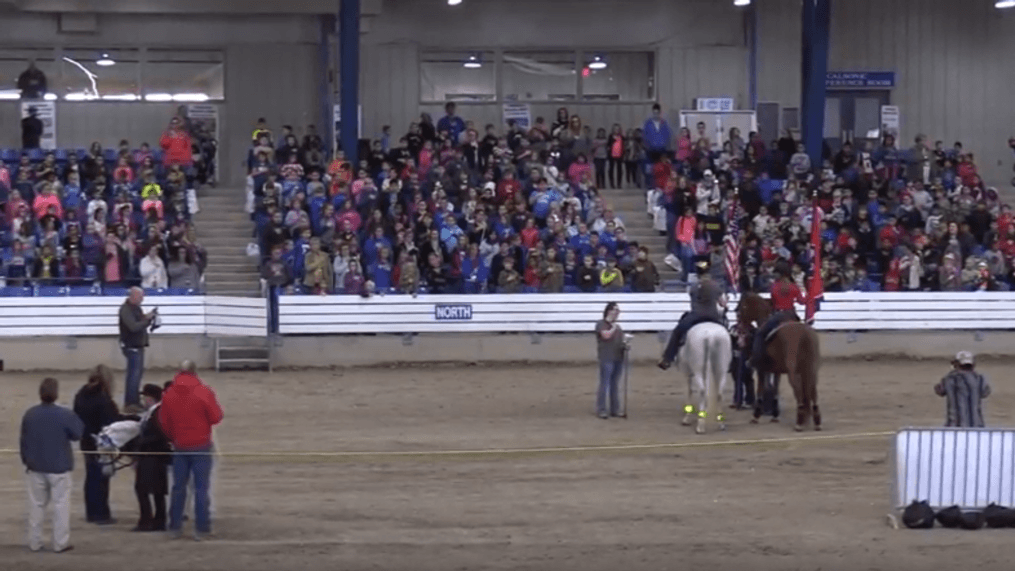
{"x": 967, "y": 467}
{"x": 97, "y": 316}
{"x": 560, "y": 313}
{"x": 236, "y": 316}
{"x": 645, "y": 312}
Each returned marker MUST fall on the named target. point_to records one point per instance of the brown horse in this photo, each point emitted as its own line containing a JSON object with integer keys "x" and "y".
{"x": 794, "y": 351}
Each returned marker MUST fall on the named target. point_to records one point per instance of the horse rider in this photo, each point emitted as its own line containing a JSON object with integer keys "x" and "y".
{"x": 784, "y": 294}
{"x": 706, "y": 297}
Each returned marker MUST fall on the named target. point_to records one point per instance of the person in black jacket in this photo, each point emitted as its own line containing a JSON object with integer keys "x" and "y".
{"x": 151, "y": 479}
{"x": 95, "y": 407}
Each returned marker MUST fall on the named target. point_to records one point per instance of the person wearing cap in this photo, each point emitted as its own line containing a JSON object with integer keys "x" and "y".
{"x": 964, "y": 390}
{"x": 188, "y": 412}
{"x": 150, "y": 479}
{"x": 707, "y": 297}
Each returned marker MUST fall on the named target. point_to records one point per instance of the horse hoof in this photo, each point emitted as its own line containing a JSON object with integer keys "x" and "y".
{"x": 688, "y": 420}
{"x": 722, "y": 428}
{"x": 798, "y": 428}
{"x": 699, "y": 430}
{"x": 817, "y": 428}
{"x": 754, "y": 421}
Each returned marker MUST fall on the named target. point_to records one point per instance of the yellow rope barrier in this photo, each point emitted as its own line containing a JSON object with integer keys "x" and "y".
{"x": 524, "y": 451}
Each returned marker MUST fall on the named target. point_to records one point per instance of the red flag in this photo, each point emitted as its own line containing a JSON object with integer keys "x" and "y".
{"x": 815, "y": 289}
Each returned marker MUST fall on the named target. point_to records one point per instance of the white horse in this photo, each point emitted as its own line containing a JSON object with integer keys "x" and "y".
{"x": 705, "y": 359}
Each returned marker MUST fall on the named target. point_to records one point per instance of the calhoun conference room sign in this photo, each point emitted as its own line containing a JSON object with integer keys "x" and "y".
{"x": 860, "y": 80}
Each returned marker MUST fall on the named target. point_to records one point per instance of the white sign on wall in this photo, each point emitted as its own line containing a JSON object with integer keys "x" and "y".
{"x": 890, "y": 120}
{"x": 336, "y": 123}
{"x": 46, "y": 112}
{"x": 714, "y": 104}
{"x": 521, "y": 113}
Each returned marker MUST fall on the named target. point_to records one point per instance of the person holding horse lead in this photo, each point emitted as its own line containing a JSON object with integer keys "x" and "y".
{"x": 706, "y": 298}
{"x": 611, "y": 343}
{"x": 785, "y": 294}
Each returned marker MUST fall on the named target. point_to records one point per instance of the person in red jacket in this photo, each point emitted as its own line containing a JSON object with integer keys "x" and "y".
{"x": 189, "y": 411}
{"x": 785, "y": 294}
{"x": 175, "y": 142}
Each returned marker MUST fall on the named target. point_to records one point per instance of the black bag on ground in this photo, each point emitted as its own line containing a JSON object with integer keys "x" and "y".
{"x": 918, "y": 515}
{"x": 972, "y": 520}
{"x": 997, "y": 516}
{"x": 950, "y": 517}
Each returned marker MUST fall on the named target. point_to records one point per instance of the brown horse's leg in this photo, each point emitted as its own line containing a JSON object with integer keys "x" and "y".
{"x": 759, "y": 396}
{"x": 811, "y": 382}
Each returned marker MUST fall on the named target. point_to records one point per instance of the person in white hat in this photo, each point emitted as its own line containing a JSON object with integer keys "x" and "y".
{"x": 964, "y": 390}
{"x": 707, "y": 192}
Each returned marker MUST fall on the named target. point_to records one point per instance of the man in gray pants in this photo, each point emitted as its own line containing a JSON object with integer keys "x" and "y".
{"x": 47, "y": 431}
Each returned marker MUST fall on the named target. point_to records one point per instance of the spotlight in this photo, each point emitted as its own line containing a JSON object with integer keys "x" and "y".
{"x": 454, "y": 2}
{"x": 597, "y": 63}
{"x": 741, "y": 2}
{"x": 473, "y": 62}
{"x": 105, "y": 61}
{"x": 1004, "y": 4}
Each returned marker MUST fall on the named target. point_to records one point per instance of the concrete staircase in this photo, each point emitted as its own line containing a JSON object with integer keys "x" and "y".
{"x": 225, "y": 230}
{"x": 629, "y": 205}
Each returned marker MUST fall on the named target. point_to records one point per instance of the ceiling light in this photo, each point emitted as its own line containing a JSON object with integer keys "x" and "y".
{"x": 123, "y": 97}
{"x": 10, "y": 94}
{"x": 190, "y": 97}
{"x": 1004, "y": 4}
{"x": 105, "y": 61}
{"x": 597, "y": 63}
{"x": 158, "y": 97}
{"x": 82, "y": 96}
{"x": 50, "y": 97}
{"x": 473, "y": 62}
{"x": 454, "y": 2}
{"x": 741, "y": 2}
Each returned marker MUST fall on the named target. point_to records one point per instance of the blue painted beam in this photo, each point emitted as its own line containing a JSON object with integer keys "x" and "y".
{"x": 325, "y": 92}
{"x": 349, "y": 44}
{"x": 815, "y": 35}
{"x": 752, "y": 54}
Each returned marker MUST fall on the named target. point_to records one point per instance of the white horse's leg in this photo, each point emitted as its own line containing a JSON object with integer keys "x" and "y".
{"x": 720, "y": 368}
{"x": 686, "y": 369}
{"x": 701, "y": 381}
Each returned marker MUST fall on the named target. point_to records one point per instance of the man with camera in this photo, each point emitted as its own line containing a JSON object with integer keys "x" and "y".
{"x": 134, "y": 325}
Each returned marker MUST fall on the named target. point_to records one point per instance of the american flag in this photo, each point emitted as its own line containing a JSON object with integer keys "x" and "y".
{"x": 732, "y": 243}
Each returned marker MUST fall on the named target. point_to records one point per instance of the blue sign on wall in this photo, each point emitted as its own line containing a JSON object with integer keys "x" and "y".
{"x": 860, "y": 80}
{"x": 453, "y": 312}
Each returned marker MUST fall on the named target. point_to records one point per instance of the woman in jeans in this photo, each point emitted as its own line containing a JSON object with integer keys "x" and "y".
{"x": 95, "y": 406}
{"x": 611, "y": 345}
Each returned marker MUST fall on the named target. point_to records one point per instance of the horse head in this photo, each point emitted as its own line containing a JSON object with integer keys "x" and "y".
{"x": 753, "y": 308}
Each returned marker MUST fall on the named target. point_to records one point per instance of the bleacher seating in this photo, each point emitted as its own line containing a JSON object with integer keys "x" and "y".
{"x": 171, "y": 197}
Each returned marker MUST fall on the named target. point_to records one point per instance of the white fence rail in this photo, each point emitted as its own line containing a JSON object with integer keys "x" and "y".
{"x": 967, "y": 467}
{"x": 97, "y": 316}
{"x": 650, "y": 312}
{"x": 531, "y": 313}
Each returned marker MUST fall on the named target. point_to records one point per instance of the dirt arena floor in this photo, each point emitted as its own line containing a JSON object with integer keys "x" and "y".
{"x": 786, "y": 506}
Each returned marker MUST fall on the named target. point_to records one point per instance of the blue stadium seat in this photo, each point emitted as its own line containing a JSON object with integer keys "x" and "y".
{"x": 156, "y": 292}
{"x": 82, "y": 153}
{"x": 35, "y": 155}
{"x": 81, "y": 291}
{"x": 91, "y": 273}
{"x": 11, "y": 291}
{"x": 50, "y": 291}
{"x": 571, "y": 289}
{"x": 110, "y": 155}
{"x": 9, "y": 156}
{"x": 114, "y": 291}
{"x": 61, "y": 155}
{"x": 157, "y": 156}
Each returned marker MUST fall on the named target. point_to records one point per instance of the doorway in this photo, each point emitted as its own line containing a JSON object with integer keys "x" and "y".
{"x": 853, "y": 116}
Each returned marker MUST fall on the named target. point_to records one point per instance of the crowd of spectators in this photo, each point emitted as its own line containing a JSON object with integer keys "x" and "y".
{"x": 448, "y": 208}
{"x": 95, "y": 217}
{"x": 891, "y": 218}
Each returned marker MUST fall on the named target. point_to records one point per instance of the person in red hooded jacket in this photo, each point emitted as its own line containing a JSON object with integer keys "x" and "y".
{"x": 189, "y": 411}
{"x": 175, "y": 142}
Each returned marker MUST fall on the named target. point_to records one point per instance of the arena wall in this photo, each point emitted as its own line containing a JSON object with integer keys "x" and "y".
{"x": 75, "y": 354}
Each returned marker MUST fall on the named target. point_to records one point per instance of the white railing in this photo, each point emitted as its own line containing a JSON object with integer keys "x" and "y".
{"x": 533, "y": 313}
{"x": 97, "y": 316}
{"x": 645, "y": 312}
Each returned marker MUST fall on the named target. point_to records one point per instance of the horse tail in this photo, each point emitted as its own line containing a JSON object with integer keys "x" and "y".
{"x": 810, "y": 359}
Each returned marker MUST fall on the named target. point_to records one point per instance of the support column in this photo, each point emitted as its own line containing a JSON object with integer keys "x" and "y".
{"x": 815, "y": 28}
{"x": 324, "y": 82}
{"x": 348, "y": 16}
{"x": 752, "y": 54}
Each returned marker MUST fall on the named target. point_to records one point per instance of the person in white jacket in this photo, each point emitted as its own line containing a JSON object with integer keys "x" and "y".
{"x": 153, "y": 271}
{"x": 707, "y": 193}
